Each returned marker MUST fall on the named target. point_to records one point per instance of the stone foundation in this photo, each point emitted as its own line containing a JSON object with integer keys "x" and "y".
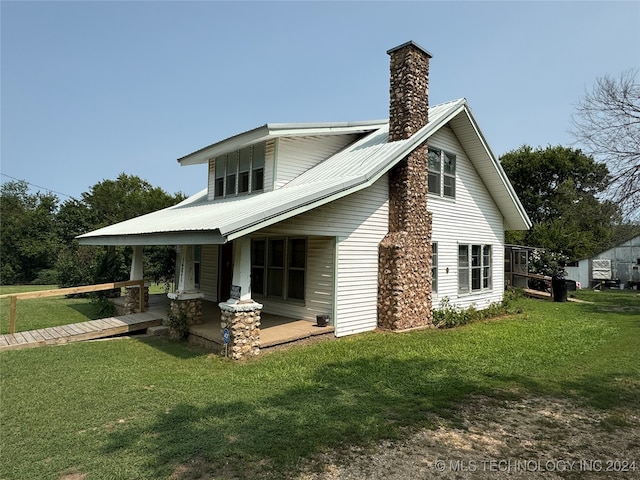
{"x": 132, "y": 299}
{"x": 242, "y": 321}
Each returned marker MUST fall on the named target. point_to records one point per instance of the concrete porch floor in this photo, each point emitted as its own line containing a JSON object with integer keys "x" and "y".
{"x": 274, "y": 329}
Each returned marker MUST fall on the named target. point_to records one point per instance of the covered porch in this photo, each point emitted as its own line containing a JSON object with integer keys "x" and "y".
{"x": 274, "y": 329}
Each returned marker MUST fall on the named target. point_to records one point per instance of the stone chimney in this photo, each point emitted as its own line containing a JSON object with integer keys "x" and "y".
{"x": 404, "y": 269}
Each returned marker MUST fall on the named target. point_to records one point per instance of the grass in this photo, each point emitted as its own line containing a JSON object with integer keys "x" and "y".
{"x": 149, "y": 408}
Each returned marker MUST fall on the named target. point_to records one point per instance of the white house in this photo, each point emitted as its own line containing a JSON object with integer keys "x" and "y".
{"x": 295, "y": 214}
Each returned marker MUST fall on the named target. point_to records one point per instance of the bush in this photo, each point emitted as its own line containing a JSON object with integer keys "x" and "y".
{"x": 449, "y": 316}
{"x": 46, "y": 277}
{"x": 177, "y": 322}
{"x": 7, "y": 275}
{"x": 104, "y": 307}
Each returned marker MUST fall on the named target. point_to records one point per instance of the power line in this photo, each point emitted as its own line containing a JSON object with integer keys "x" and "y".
{"x": 38, "y": 186}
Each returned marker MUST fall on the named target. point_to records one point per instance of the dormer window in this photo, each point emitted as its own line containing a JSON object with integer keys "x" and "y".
{"x": 240, "y": 172}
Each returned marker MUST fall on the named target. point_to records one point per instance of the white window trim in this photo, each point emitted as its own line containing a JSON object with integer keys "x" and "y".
{"x": 285, "y": 268}
{"x": 434, "y": 267}
{"x": 441, "y": 174}
{"x": 481, "y": 267}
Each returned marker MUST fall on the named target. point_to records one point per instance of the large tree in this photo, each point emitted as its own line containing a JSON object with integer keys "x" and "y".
{"x": 108, "y": 202}
{"x": 37, "y": 234}
{"x": 559, "y": 188}
{"x": 128, "y": 196}
{"x": 28, "y": 239}
{"x": 607, "y": 125}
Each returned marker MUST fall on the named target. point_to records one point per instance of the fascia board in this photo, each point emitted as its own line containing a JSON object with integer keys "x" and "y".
{"x": 168, "y": 238}
{"x": 274, "y": 130}
{"x": 229, "y": 145}
{"x": 300, "y": 130}
{"x": 500, "y": 172}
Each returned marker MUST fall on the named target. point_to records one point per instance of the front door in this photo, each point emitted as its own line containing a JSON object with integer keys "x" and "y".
{"x": 225, "y": 276}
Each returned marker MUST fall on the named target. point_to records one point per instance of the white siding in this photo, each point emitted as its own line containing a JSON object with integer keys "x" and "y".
{"x": 269, "y": 164}
{"x": 472, "y": 218}
{"x": 209, "y": 272}
{"x": 211, "y": 186}
{"x": 358, "y": 222}
{"x": 296, "y": 155}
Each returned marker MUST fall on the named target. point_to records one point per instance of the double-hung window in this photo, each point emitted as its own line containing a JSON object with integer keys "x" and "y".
{"x": 474, "y": 268}
{"x": 442, "y": 173}
{"x": 278, "y": 267}
{"x": 197, "y": 256}
{"x": 434, "y": 267}
{"x": 240, "y": 172}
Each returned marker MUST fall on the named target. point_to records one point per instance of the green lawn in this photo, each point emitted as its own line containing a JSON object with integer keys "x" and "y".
{"x": 49, "y": 311}
{"x": 142, "y": 408}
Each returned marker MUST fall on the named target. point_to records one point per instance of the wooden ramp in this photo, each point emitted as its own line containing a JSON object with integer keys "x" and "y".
{"x": 77, "y": 332}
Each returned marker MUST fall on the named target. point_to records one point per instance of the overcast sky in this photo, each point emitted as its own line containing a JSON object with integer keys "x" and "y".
{"x": 93, "y": 89}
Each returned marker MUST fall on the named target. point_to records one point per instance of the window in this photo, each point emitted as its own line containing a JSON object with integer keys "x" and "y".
{"x": 275, "y": 268}
{"x": 221, "y": 168}
{"x": 442, "y": 173}
{"x": 232, "y": 169}
{"x": 240, "y": 172}
{"x": 257, "y": 167}
{"x": 258, "y": 253}
{"x": 474, "y": 268}
{"x": 434, "y": 267}
{"x": 245, "y": 166}
{"x": 197, "y": 255}
{"x": 278, "y": 267}
{"x": 463, "y": 268}
{"x": 434, "y": 171}
{"x": 295, "y": 268}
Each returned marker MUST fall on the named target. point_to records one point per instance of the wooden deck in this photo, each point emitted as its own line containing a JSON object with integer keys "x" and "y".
{"x": 77, "y": 332}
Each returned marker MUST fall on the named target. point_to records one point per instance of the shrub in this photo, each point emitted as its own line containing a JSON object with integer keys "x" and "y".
{"x": 449, "y": 316}
{"x": 46, "y": 277}
{"x": 177, "y": 322}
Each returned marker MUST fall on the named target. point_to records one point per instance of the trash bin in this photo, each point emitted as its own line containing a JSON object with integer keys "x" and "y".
{"x": 559, "y": 288}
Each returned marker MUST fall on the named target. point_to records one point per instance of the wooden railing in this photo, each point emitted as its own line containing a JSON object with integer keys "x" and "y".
{"x": 14, "y": 297}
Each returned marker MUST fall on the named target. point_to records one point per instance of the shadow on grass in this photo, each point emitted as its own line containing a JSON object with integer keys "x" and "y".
{"x": 175, "y": 348}
{"x": 344, "y": 403}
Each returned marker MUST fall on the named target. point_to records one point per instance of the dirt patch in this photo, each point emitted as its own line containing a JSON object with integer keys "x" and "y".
{"x": 74, "y": 476}
{"x": 530, "y": 438}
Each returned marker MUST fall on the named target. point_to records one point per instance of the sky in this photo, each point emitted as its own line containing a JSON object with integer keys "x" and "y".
{"x": 92, "y": 89}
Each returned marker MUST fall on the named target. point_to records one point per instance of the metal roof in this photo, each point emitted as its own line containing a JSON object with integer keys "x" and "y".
{"x": 198, "y": 220}
{"x": 275, "y": 130}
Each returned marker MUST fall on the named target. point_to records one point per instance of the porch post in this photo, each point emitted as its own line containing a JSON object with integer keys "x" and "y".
{"x": 186, "y": 301}
{"x": 132, "y": 296}
{"x": 186, "y": 275}
{"x": 241, "y": 315}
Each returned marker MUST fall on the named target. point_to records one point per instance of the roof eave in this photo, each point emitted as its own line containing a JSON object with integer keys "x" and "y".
{"x": 201, "y": 237}
{"x": 275, "y": 130}
{"x": 521, "y": 220}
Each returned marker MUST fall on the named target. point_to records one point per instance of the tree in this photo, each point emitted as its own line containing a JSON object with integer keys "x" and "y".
{"x": 106, "y": 203}
{"x": 129, "y": 196}
{"x": 607, "y": 124}
{"x": 29, "y": 244}
{"x": 559, "y": 189}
